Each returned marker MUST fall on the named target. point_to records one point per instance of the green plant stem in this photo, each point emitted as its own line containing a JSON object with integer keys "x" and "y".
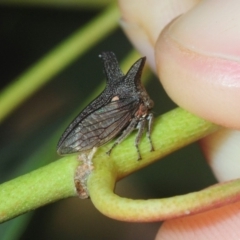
{"x": 38, "y": 188}
{"x": 40, "y": 73}
{"x": 101, "y": 184}
{"x": 171, "y": 131}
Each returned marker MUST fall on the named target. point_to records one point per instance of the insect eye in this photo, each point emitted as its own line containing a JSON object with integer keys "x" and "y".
{"x": 150, "y": 103}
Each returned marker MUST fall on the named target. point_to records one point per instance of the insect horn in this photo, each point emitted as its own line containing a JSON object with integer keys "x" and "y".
{"x": 135, "y": 72}
{"x": 111, "y": 66}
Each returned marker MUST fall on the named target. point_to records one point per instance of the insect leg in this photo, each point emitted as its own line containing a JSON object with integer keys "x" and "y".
{"x": 141, "y": 126}
{"x": 149, "y": 130}
{"x": 125, "y": 133}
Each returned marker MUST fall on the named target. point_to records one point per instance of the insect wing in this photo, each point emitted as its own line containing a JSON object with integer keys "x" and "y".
{"x": 100, "y": 126}
{"x": 122, "y": 104}
{"x": 113, "y": 74}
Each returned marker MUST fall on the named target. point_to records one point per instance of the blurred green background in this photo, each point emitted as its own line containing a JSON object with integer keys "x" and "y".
{"x": 29, "y": 135}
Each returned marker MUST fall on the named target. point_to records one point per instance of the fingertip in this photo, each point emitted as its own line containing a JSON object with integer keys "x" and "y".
{"x": 221, "y": 223}
{"x": 206, "y": 85}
